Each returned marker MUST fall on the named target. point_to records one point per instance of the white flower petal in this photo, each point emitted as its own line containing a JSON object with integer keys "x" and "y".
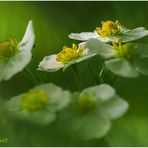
{"x": 102, "y": 49}
{"x": 114, "y": 108}
{"x": 93, "y": 126}
{"x": 101, "y": 92}
{"x": 84, "y": 36}
{"x": 131, "y": 35}
{"x": 122, "y": 68}
{"x": 14, "y": 64}
{"x": 104, "y": 39}
{"x": 82, "y": 44}
{"x": 59, "y": 98}
{"x": 28, "y": 39}
{"x": 50, "y": 64}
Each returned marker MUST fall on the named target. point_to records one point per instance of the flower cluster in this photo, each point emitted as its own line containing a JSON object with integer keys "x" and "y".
{"x": 88, "y": 112}
{"x": 94, "y": 108}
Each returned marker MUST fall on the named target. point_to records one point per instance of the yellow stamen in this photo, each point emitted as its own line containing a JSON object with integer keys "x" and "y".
{"x": 34, "y": 100}
{"x": 8, "y": 48}
{"x": 126, "y": 50}
{"x": 109, "y": 28}
{"x": 86, "y": 103}
{"x": 69, "y": 53}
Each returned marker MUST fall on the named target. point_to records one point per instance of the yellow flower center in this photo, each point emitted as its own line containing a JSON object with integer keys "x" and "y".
{"x": 8, "y": 48}
{"x": 126, "y": 50}
{"x": 34, "y": 100}
{"x": 86, "y": 103}
{"x": 109, "y": 28}
{"x": 69, "y": 54}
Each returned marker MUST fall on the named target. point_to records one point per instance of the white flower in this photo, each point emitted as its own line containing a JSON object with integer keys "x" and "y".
{"x": 65, "y": 58}
{"x": 15, "y": 56}
{"x": 111, "y": 31}
{"x": 94, "y": 109}
{"x": 126, "y": 60}
{"x": 39, "y": 105}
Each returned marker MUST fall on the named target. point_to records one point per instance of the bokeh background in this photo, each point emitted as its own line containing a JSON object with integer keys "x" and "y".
{"x": 53, "y": 21}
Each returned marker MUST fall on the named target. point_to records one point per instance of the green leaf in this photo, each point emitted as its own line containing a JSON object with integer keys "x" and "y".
{"x": 122, "y": 68}
{"x": 114, "y": 108}
{"x": 141, "y": 65}
{"x": 102, "y": 49}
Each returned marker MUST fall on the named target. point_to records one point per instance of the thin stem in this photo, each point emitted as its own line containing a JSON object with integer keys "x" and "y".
{"x": 38, "y": 77}
{"x": 107, "y": 76}
{"x": 33, "y": 78}
{"x": 101, "y": 74}
{"x": 93, "y": 74}
{"x": 75, "y": 74}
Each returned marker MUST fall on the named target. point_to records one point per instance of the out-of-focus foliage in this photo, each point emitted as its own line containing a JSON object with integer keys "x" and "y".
{"x": 53, "y": 21}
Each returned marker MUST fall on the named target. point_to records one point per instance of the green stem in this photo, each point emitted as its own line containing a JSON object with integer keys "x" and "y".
{"x": 33, "y": 78}
{"x": 93, "y": 74}
{"x": 101, "y": 74}
{"x": 75, "y": 74}
{"x": 107, "y": 76}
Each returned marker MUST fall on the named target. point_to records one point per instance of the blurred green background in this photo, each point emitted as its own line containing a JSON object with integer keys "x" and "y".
{"x": 53, "y": 21}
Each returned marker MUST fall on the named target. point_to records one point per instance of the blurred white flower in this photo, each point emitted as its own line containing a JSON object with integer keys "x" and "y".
{"x": 39, "y": 105}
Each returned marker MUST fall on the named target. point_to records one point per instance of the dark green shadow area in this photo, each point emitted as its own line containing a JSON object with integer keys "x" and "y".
{"x": 53, "y": 21}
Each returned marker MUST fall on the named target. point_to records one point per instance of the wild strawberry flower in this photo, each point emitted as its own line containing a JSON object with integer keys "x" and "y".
{"x": 39, "y": 105}
{"x": 94, "y": 108}
{"x": 65, "y": 58}
{"x": 14, "y": 55}
{"x": 123, "y": 59}
{"x": 111, "y": 31}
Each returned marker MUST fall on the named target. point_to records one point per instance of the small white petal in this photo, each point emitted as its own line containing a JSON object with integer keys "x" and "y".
{"x": 84, "y": 36}
{"x": 16, "y": 64}
{"x": 100, "y": 48}
{"x": 82, "y": 44}
{"x": 86, "y": 51}
{"x": 114, "y": 108}
{"x": 49, "y": 63}
{"x": 28, "y": 39}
